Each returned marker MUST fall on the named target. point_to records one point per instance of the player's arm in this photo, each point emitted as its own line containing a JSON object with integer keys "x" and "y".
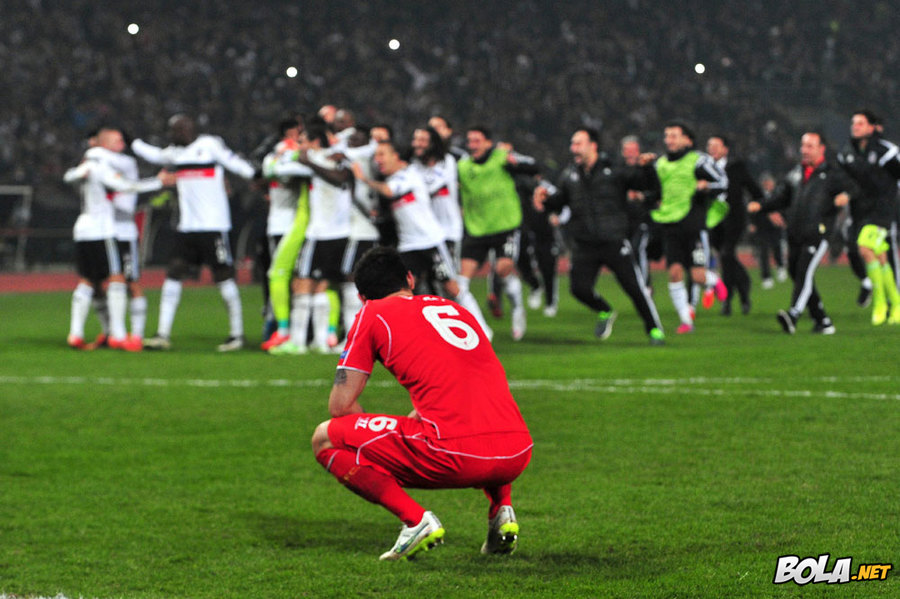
{"x": 113, "y": 180}
{"x": 231, "y": 161}
{"x": 149, "y": 152}
{"x": 380, "y": 186}
{"x": 520, "y": 164}
{"x": 335, "y": 176}
{"x": 709, "y": 176}
{"x": 348, "y": 386}
{"x": 77, "y": 174}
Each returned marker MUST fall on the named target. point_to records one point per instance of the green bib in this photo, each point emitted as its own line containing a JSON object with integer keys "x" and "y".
{"x": 490, "y": 202}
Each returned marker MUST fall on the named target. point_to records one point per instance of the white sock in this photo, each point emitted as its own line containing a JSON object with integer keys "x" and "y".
{"x": 101, "y": 309}
{"x": 168, "y": 305}
{"x": 321, "y": 310}
{"x": 232, "y": 297}
{"x": 711, "y": 278}
{"x": 117, "y": 298}
{"x": 696, "y": 292}
{"x": 678, "y": 293}
{"x": 351, "y": 304}
{"x": 513, "y": 288}
{"x": 463, "y": 284}
{"x": 138, "y": 307}
{"x": 81, "y": 305}
{"x": 468, "y": 301}
{"x": 300, "y": 308}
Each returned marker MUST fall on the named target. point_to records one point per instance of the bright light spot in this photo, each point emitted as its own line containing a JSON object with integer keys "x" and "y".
{"x": 699, "y": 68}
{"x": 291, "y": 72}
{"x": 133, "y": 29}
{"x": 394, "y": 44}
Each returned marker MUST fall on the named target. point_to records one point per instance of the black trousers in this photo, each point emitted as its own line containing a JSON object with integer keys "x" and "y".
{"x": 589, "y": 258}
{"x": 803, "y": 260}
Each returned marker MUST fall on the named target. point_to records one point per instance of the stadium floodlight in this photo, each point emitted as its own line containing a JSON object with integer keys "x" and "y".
{"x": 699, "y": 68}
{"x": 291, "y": 72}
{"x": 394, "y": 44}
{"x": 133, "y": 28}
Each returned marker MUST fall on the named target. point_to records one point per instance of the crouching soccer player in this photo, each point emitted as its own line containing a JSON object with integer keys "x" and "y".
{"x": 465, "y": 429}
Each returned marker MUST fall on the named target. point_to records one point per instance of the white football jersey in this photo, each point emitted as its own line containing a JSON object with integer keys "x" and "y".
{"x": 125, "y": 203}
{"x": 417, "y": 227}
{"x": 99, "y": 184}
{"x": 202, "y": 200}
{"x": 364, "y": 200}
{"x": 329, "y": 206}
{"x": 443, "y": 187}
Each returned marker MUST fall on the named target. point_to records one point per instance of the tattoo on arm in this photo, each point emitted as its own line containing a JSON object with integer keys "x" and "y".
{"x": 340, "y": 377}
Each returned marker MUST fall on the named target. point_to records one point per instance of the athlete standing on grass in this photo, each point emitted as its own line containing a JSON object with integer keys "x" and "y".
{"x": 465, "y": 429}
{"x": 97, "y": 253}
{"x": 203, "y": 225}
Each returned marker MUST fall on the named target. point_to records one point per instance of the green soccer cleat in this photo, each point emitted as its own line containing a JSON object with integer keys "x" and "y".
{"x": 657, "y": 337}
{"x": 288, "y": 348}
{"x": 879, "y": 314}
{"x": 503, "y": 533}
{"x": 423, "y": 536}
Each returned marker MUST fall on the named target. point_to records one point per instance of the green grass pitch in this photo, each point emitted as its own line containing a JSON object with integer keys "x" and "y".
{"x": 681, "y": 471}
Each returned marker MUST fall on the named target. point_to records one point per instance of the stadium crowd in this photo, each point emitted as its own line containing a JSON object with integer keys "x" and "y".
{"x": 531, "y": 70}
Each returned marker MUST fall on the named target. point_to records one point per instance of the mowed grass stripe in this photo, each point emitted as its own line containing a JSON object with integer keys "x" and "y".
{"x": 623, "y": 386}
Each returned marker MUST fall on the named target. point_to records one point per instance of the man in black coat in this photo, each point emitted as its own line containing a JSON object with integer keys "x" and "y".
{"x": 810, "y": 197}
{"x": 596, "y": 190}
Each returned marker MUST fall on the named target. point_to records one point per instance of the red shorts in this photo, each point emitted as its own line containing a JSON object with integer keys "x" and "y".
{"x": 399, "y": 447}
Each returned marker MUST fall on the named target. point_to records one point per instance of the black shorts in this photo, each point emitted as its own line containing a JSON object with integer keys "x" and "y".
{"x": 131, "y": 261}
{"x": 321, "y": 259}
{"x": 211, "y": 248}
{"x": 504, "y": 244}
{"x": 686, "y": 246}
{"x": 97, "y": 260}
{"x": 355, "y": 250}
{"x": 433, "y": 264}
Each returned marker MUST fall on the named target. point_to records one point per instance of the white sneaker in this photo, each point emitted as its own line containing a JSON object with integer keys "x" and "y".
{"x": 768, "y": 283}
{"x": 781, "y": 275}
{"x": 158, "y": 342}
{"x": 231, "y": 344}
{"x": 534, "y": 298}
{"x": 503, "y": 532}
{"x": 423, "y": 536}
{"x": 550, "y": 311}
{"x": 518, "y": 323}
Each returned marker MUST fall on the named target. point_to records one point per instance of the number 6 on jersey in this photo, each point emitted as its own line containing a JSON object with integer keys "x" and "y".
{"x": 439, "y": 318}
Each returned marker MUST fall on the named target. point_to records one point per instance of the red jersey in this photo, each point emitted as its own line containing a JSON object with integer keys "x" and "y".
{"x": 438, "y": 352}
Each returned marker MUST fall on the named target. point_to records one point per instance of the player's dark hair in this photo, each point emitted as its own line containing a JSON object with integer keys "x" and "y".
{"x": 380, "y": 272}
{"x": 592, "y": 133}
{"x": 481, "y": 129}
{"x": 870, "y": 116}
{"x": 436, "y": 148}
{"x": 286, "y": 124}
{"x": 443, "y": 118}
{"x": 685, "y": 128}
{"x": 385, "y": 126}
{"x": 317, "y": 129}
{"x": 725, "y": 141}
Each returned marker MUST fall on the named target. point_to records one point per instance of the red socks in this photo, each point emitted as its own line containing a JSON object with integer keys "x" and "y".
{"x": 371, "y": 485}
{"x": 499, "y": 497}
